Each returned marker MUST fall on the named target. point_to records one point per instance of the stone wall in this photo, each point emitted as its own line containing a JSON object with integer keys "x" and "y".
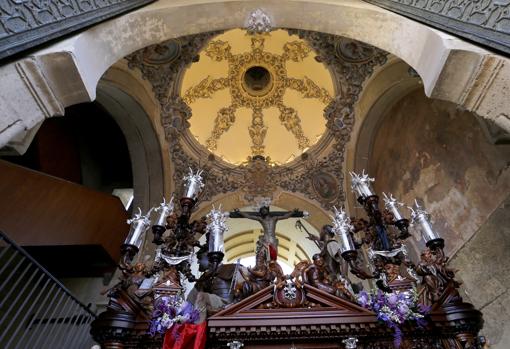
{"x": 431, "y": 150}
{"x": 483, "y": 268}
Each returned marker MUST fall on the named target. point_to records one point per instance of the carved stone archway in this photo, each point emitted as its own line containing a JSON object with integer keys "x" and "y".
{"x": 147, "y": 167}
{"x": 68, "y": 72}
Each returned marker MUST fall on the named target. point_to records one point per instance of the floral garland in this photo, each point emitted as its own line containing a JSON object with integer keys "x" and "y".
{"x": 395, "y": 308}
{"x": 170, "y": 311}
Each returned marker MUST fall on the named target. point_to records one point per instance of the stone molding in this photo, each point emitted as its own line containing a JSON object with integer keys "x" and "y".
{"x": 39, "y": 89}
{"x": 27, "y": 99}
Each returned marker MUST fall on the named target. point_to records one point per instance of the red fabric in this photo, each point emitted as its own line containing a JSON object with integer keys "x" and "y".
{"x": 272, "y": 252}
{"x": 187, "y": 336}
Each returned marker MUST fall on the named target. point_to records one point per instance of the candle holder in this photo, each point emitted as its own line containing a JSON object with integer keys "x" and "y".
{"x": 139, "y": 224}
{"x": 128, "y": 252}
{"x": 421, "y": 220}
{"x": 216, "y": 228}
{"x": 215, "y": 258}
{"x": 193, "y": 184}
{"x": 361, "y": 185}
{"x": 342, "y": 228}
{"x": 158, "y": 229}
{"x": 391, "y": 204}
{"x": 385, "y": 249}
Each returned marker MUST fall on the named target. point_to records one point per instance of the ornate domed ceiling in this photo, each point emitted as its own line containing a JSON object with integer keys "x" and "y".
{"x": 289, "y": 94}
{"x": 261, "y": 94}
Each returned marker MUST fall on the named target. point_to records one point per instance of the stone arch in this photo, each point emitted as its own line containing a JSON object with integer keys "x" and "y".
{"x": 403, "y": 37}
{"x": 141, "y": 139}
{"x": 457, "y": 152}
{"x": 68, "y": 72}
{"x": 389, "y": 84}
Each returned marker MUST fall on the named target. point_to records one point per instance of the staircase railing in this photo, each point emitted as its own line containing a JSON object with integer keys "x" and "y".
{"x": 36, "y": 310}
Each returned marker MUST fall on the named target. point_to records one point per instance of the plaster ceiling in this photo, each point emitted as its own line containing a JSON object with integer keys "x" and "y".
{"x": 257, "y": 95}
{"x": 318, "y": 173}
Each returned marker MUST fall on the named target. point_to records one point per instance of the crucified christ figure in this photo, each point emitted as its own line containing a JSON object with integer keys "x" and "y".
{"x": 268, "y": 221}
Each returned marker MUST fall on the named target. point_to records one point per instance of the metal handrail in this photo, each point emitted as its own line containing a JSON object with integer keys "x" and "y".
{"x": 20, "y": 249}
{"x": 36, "y": 309}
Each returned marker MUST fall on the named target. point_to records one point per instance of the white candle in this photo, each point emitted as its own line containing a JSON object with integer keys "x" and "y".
{"x": 162, "y": 217}
{"x": 342, "y": 228}
{"x": 346, "y": 243}
{"x": 191, "y": 189}
{"x": 428, "y": 233}
{"x": 165, "y": 210}
{"x": 216, "y": 240}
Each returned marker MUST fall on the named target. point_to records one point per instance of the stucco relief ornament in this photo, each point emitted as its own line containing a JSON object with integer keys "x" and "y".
{"x": 258, "y": 179}
{"x": 258, "y": 22}
{"x": 253, "y": 178}
{"x": 257, "y": 80}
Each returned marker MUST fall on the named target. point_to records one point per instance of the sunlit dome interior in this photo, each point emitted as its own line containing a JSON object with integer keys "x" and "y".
{"x": 257, "y": 95}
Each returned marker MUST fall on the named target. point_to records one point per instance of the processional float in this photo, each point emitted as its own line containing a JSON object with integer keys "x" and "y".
{"x": 323, "y": 303}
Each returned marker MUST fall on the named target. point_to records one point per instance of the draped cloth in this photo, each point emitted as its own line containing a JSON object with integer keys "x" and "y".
{"x": 186, "y": 336}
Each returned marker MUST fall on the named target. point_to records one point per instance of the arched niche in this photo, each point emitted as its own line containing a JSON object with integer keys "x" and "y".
{"x": 386, "y": 87}
{"x": 438, "y": 153}
{"x": 243, "y": 233}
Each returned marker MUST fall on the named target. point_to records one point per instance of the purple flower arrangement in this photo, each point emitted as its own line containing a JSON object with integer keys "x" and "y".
{"x": 395, "y": 308}
{"x": 170, "y": 311}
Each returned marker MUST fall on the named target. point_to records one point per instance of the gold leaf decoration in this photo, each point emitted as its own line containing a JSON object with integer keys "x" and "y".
{"x": 290, "y": 119}
{"x": 309, "y": 89}
{"x": 270, "y": 96}
{"x": 218, "y": 50}
{"x": 257, "y": 132}
{"x": 205, "y": 89}
{"x": 225, "y": 118}
{"x": 296, "y": 51}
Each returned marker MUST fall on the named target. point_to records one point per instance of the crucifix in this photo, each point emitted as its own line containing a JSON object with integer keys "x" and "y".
{"x": 268, "y": 221}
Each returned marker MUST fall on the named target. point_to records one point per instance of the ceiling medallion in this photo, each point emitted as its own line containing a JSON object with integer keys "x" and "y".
{"x": 354, "y": 51}
{"x": 258, "y": 22}
{"x": 257, "y": 80}
{"x": 162, "y": 54}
